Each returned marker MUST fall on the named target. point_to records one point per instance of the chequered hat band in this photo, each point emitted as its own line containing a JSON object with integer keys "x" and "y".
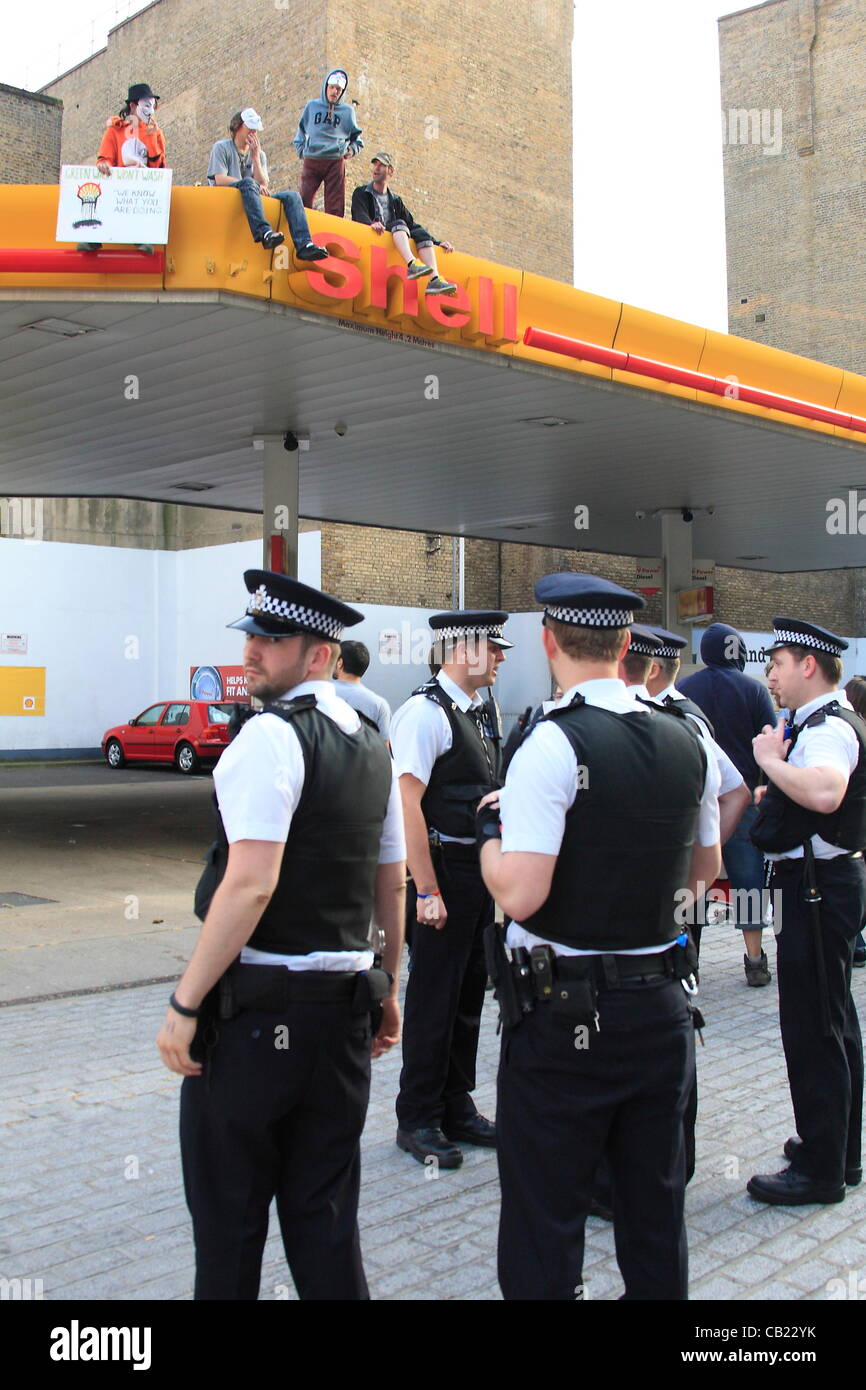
{"x": 805, "y": 639}
{"x": 668, "y": 653}
{"x": 639, "y": 648}
{"x": 490, "y": 630}
{"x": 592, "y": 617}
{"x": 309, "y": 618}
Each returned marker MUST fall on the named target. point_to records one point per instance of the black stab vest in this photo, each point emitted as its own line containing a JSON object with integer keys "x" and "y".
{"x": 626, "y": 848}
{"x": 782, "y": 825}
{"x": 689, "y": 707}
{"x": 465, "y": 773}
{"x": 323, "y": 900}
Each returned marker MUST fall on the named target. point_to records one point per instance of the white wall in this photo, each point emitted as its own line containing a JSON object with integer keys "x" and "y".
{"x": 117, "y": 629}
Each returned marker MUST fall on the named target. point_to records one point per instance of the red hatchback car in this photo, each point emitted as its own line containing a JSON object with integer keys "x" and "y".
{"x": 186, "y": 733}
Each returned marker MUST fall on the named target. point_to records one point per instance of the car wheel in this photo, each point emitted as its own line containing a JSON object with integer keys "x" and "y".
{"x": 186, "y": 758}
{"x": 114, "y": 754}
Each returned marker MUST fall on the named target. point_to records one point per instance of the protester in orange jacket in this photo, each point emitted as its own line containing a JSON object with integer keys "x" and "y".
{"x": 131, "y": 140}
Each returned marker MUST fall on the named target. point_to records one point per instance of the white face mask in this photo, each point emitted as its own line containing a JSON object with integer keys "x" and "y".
{"x": 144, "y": 109}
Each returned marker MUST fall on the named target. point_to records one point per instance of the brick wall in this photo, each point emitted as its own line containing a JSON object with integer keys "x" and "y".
{"x": 796, "y": 218}
{"x": 474, "y": 103}
{"x": 29, "y": 136}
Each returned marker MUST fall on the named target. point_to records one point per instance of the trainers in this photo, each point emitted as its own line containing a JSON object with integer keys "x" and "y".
{"x": 439, "y": 286}
{"x": 757, "y": 972}
{"x": 89, "y": 246}
{"x": 416, "y": 269}
{"x": 144, "y": 247}
{"x": 272, "y": 239}
{"x": 311, "y": 252}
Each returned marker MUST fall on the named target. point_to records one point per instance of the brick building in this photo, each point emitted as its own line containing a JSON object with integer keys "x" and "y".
{"x": 794, "y": 120}
{"x": 463, "y": 103}
{"x": 29, "y": 135}
{"x": 464, "y": 120}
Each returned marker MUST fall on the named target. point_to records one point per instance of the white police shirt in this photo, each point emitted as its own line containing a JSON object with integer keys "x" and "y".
{"x": 259, "y": 780}
{"x": 420, "y": 734}
{"x": 831, "y": 744}
{"x": 541, "y": 786}
{"x": 731, "y": 776}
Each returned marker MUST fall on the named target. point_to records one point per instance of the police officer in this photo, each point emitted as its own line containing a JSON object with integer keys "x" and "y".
{"x": 311, "y": 844}
{"x": 812, "y": 824}
{"x": 734, "y": 795}
{"x": 446, "y": 760}
{"x": 598, "y": 816}
{"x": 648, "y": 669}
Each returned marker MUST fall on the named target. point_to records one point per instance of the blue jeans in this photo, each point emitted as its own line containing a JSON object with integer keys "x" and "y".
{"x": 745, "y": 865}
{"x": 299, "y": 228}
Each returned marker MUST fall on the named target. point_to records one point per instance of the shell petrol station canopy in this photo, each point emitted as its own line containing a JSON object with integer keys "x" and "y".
{"x": 497, "y": 413}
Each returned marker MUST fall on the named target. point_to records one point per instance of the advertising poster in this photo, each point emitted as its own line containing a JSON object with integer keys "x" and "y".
{"x": 218, "y": 683}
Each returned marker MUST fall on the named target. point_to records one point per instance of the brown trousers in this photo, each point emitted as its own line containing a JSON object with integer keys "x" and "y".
{"x": 331, "y": 172}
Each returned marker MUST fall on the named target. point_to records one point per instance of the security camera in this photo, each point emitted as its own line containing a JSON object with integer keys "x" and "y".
{"x": 687, "y": 514}
{"x": 290, "y": 442}
{"x": 639, "y": 515}
{"x": 341, "y": 430}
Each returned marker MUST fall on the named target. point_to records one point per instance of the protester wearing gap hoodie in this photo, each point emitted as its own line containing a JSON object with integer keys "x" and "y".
{"x": 326, "y": 137}
{"x": 738, "y": 707}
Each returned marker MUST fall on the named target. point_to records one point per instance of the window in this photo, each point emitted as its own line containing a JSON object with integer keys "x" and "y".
{"x": 177, "y": 714}
{"x": 150, "y": 716}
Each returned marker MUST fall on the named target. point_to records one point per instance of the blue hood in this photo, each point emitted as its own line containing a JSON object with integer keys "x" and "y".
{"x": 723, "y": 646}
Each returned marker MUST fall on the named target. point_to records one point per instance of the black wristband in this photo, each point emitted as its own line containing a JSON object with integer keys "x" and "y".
{"x": 487, "y": 825}
{"x": 179, "y": 1009}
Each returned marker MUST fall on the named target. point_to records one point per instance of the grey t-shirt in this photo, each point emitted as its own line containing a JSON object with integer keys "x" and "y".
{"x": 225, "y": 158}
{"x": 366, "y": 702}
{"x": 384, "y": 206}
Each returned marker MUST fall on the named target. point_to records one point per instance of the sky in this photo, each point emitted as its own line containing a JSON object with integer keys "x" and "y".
{"x": 648, "y": 199}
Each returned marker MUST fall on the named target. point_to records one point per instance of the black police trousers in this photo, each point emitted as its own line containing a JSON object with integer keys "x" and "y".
{"x": 444, "y": 1000}
{"x": 825, "y": 1070}
{"x": 567, "y": 1096}
{"x": 278, "y": 1112}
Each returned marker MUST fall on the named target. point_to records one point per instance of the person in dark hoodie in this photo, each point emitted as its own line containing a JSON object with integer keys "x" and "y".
{"x": 326, "y": 137}
{"x": 738, "y": 708}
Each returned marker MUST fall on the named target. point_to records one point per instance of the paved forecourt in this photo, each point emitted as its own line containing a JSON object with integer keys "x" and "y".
{"x": 91, "y": 1202}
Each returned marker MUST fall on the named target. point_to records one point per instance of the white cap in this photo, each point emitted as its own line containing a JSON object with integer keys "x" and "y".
{"x": 251, "y": 119}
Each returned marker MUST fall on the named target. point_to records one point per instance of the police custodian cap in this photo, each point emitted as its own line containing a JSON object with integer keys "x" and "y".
{"x": 584, "y": 600}
{"x": 643, "y": 641}
{"x": 471, "y": 622}
{"x": 282, "y": 607}
{"x": 793, "y": 632}
{"x": 672, "y": 643}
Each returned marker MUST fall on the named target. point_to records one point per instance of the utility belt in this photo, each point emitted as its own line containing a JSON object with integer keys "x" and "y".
{"x": 781, "y": 866}
{"x": 570, "y": 985}
{"x": 273, "y": 988}
{"x": 451, "y": 849}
